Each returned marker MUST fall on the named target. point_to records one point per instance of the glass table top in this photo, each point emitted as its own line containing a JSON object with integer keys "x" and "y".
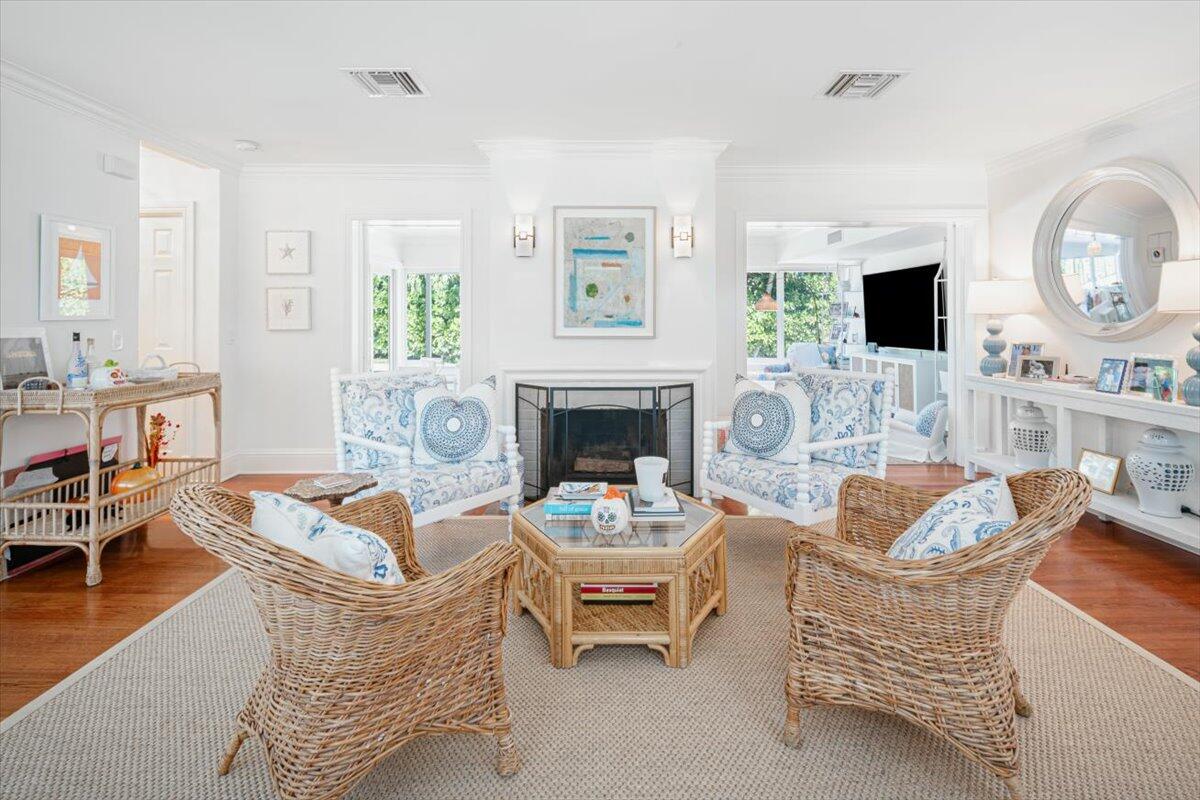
{"x": 580, "y": 533}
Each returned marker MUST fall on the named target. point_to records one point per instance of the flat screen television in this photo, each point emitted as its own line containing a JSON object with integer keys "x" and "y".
{"x": 898, "y": 308}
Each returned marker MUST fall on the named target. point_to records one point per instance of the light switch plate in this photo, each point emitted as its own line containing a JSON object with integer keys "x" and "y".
{"x": 118, "y": 341}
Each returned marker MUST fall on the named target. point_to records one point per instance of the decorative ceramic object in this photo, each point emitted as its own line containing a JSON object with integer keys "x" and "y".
{"x": 610, "y": 514}
{"x": 993, "y": 345}
{"x": 1161, "y": 473}
{"x": 1031, "y": 437}
{"x": 107, "y": 376}
{"x": 133, "y": 479}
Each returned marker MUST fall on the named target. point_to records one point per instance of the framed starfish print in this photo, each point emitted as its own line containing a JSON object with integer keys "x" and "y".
{"x": 287, "y": 252}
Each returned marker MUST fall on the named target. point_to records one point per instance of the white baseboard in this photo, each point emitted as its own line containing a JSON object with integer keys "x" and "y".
{"x": 291, "y": 460}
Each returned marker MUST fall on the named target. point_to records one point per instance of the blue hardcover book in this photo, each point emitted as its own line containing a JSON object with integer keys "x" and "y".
{"x": 581, "y": 508}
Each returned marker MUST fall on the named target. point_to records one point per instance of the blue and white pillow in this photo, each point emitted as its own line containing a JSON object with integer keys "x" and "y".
{"x": 928, "y": 416}
{"x": 451, "y": 430}
{"x": 311, "y": 532}
{"x": 768, "y": 424}
{"x": 841, "y": 409}
{"x": 962, "y": 518}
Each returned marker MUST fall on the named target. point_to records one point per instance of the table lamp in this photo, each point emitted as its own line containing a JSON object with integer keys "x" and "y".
{"x": 995, "y": 298}
{"x": 1179, "y": 293}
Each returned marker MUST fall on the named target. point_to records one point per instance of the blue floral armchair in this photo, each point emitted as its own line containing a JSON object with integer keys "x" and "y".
{"x": 374, "y": 425}
{"x": 843, "y": 404}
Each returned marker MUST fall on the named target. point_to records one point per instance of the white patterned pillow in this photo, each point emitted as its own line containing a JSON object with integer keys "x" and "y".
{"x": 451, "y": 430}
{"x": 841, "y": 409}
{"x": 313, "y": 533}
{"x": 962, "y": 518}
{"x": 768, "y": 424}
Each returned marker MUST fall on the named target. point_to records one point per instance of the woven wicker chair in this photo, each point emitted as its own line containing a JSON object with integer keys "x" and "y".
{"x": 359, "y": 668}
{"x": 920, "y": 639}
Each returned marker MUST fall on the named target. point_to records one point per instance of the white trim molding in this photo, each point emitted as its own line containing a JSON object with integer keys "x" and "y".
{"x": 376, "y": 171}
{"x": 603, "y": 147}
{"x": 1154, "y": 112}
{"x": 282, "y": 461}
{"x": 56, "y": 95}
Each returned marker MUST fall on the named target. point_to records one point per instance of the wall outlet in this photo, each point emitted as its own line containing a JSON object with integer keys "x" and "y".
{"x": 118, "y": 341}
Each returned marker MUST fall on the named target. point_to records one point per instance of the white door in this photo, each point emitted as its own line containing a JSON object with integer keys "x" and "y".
{"x": 164, "y": 309}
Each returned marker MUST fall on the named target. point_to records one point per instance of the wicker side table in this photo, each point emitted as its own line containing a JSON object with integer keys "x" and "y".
{"x": 309, "y": 492}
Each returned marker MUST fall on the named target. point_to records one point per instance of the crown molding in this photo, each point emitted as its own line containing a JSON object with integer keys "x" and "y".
{"x": 56, "y": 95}
{"x": 378, "y": 171}
{"x": 711, "y": 148}
{"x": 779, "y": 172}
{"x": 1168, "y": 106}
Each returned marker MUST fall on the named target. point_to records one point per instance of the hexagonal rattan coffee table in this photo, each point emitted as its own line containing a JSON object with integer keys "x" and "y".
{"x": 687, "y": 563}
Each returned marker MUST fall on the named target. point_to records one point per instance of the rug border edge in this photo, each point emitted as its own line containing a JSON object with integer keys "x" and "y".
{"x": 54, "y": 691}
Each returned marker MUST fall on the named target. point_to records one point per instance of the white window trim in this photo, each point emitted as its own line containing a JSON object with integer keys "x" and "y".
{"x": 780, "y": 300}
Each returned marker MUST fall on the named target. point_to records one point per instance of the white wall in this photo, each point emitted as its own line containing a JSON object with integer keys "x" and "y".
{"x": 1018, "y": 196}
{"x": 50, "y": 163}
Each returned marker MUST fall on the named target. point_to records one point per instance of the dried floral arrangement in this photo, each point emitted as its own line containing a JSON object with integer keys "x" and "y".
{"x": 160, "y": 434}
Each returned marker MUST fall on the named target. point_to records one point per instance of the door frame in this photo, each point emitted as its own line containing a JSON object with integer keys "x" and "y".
{"x": 966, "y": 249}
{"x": 360, "y": 313}
{"x": 185, "y": 209}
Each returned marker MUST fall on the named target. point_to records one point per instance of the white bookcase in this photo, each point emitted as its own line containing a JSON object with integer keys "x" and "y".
{"x": 1083, "y": 418}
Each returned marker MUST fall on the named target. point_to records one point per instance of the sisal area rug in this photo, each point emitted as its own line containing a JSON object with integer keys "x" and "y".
{"x": 151, "y": 719}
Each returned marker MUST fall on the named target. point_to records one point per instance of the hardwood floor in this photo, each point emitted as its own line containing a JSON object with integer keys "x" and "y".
{"x": 51, "y": 625}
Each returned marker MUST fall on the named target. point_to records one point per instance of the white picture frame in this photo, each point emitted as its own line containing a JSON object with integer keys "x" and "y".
{"x": 1037, "y": 368}
{"x": 24, "y": 353}
{"x": 289, "y": 308}
{"x": 627, "y": 309}
{"x": 289, "y": 252}
{"x": 1019, "y": 349}
{"x": 76, "y": 279}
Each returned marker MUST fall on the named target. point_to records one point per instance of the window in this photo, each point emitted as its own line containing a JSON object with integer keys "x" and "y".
{"x": 783, "y": 308}
{"x": 415, "y": 307}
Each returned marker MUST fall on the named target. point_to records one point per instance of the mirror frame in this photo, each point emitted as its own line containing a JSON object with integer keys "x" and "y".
{"x": 1048, "y": 239}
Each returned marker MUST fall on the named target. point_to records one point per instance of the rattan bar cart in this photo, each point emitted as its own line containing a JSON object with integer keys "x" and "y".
{"x": 74, "y": 511}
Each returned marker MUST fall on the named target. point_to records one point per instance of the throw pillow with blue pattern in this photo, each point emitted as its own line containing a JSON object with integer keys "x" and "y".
{"x": 453, "y": 429}
{"x": 766, "y": 423}
{"x": 311, "y": 532}
{"x": 960, "y": 519}
{"x": 928, "y": 416}
{"x": 841, "y": 409}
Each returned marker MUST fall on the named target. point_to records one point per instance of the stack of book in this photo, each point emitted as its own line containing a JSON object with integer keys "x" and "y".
{"x": 666, "y": 511}
{"x": 571, "y": 501}
{"x": 617, "y": 592}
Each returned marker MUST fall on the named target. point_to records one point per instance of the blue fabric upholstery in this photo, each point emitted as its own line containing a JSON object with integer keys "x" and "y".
{"x": 776, "y": 482}
{"x": 928, "y": 416}
{"x": 962, "y": 518}
{"x": 436, "y": 486}
{"x": 381, "y": 408}
{"x": 841, "y": 409}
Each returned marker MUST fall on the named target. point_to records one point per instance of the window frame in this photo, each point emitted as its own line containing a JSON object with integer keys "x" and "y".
{"x": 781, "y": 306}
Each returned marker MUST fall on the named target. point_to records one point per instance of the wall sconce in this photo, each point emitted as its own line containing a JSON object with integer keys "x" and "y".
{"x": 682, "y": 236}
{"x": 524, "y": 235}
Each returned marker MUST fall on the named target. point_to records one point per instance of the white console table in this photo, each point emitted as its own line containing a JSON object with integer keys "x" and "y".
{"x": 1080, "y": 414}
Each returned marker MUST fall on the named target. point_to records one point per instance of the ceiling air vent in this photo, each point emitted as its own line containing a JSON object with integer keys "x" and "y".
{"x": 388, "y": 82}
{"x": 833, "y": 237}
{"x": 861, "y": 85}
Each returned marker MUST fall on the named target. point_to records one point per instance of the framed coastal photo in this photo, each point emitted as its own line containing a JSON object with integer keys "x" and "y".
{"x": 1111, "y": 378}
{"x": 76, "y": 276}
{"x": 1037, "y": 368}
{"x": 1101, "y": 469}
{"x": 289, "y": 308}
{"x": 24, "y": 353}
{"x": 288, "y": 252}
{"x": 604, "y": 271}
{"x": 1020, "y": 349}
{"x": 1148, "y": 372}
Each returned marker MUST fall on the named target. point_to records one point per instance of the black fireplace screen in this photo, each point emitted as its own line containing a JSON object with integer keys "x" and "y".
{"x": 595, "y": 433}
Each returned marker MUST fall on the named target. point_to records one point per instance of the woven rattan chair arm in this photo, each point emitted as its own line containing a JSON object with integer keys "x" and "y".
{"x": 807, "y": 544}
{"x": 872, "y": 512}
{"x": 457, "y": 590}
{"x": 387, "y": 515}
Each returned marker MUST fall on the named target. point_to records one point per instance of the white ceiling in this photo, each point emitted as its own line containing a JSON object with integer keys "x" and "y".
{"x": 791, "y": 244}
{"x": 988, "y": 78}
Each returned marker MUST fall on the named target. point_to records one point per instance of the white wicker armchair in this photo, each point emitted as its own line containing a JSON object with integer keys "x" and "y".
{"x": 804, "y": 493}
{"x": 374, "y": 425}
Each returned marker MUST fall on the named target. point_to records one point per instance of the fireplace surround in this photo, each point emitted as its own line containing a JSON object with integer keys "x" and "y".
{"x": 595, "y": 432}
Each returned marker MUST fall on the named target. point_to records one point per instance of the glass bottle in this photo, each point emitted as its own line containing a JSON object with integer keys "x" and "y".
{"x": 77, "y": 370}
{"x": 90, "y": 356}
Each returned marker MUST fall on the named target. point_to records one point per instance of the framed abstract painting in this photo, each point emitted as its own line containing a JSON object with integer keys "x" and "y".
{"x": 76, "y": 277}
{"x": 604, "y": 271}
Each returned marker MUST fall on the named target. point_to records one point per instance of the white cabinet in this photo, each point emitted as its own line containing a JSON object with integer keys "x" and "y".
{"x": 915, "y": 378}
{"x": 1083, "y": 418}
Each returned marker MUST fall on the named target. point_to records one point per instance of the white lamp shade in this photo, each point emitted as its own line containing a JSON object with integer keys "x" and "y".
{"x": 1000, "y": 297}
{"x": 1179, "y": 287}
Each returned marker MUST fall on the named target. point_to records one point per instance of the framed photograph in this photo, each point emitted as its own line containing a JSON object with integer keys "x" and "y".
{"x": 24, "y": 353}
{"x": 1037, "y": 368}
{"x": 1022, "y": 349}
{"x": 1101, "y": 469}
{"x": 76, "y": 276}
{"x": 1153, "y": 375}
{"x": 289, "y": 308}
{"x": 288, "y": 252}
{"x": 604, "y": 271}
{"x": 1111, "y": 378}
